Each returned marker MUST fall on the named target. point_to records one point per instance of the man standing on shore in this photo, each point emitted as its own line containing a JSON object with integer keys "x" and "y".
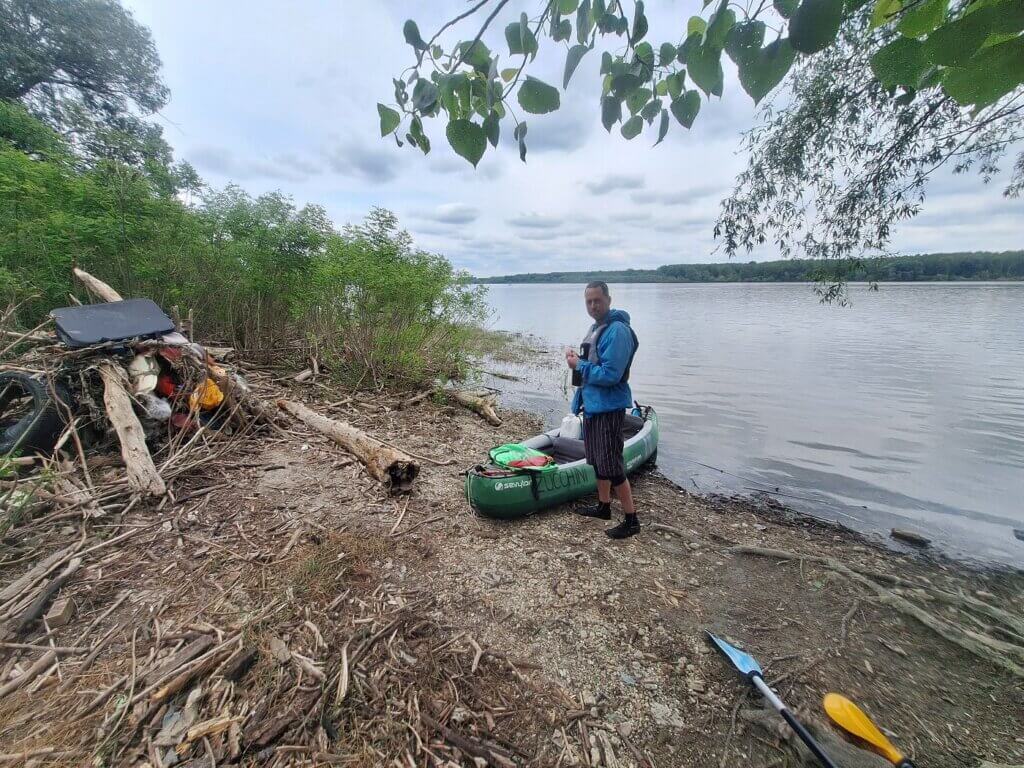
{"x": 601, "y": 376}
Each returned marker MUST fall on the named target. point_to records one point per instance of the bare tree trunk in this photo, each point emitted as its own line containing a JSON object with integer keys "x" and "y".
{"x": 96, "y": 287}
{"x": 142, "y": 473}
{"x": 481, "y": 405}
{"x": 394, "y": 469}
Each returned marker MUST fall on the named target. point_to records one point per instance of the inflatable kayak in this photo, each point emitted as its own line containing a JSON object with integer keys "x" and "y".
{"x": 496, "y": 492}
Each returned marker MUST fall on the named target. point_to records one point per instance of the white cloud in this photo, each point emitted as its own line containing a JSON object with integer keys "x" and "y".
{"x": 536, "y": 221}
{"x": 614, "y": 182}
{"x": 452, "y": 213}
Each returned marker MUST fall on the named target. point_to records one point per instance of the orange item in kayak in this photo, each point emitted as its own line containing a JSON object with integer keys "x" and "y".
{"x": 207, "y": 396}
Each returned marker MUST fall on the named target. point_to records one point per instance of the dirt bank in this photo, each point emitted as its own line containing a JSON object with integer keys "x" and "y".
{"x": 371, "y": 630}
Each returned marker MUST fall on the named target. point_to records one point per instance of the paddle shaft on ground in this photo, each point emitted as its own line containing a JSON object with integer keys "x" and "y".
{"x": 747, "y": 666}
{"x": 758, "y": 682}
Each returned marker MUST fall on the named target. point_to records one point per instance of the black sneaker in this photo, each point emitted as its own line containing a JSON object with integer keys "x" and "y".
{"x": 624, "y": 530}
{"x": 601, "y": 511}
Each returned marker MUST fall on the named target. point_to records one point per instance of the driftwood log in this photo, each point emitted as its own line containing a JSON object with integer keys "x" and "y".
{"x": 1008, "y": 655}
{"x": 142, "y": 473}
{"x": 481, "y": 404}
{"x": 389, "y": 466}
{"x": 95, "y": 286}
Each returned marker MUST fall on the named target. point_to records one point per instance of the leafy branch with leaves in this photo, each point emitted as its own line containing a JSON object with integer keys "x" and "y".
{"x": 972, "y": 53}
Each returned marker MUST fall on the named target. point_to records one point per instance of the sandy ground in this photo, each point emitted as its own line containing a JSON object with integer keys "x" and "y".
{"x": 619, "y": 625}
{"x": 608, "y": 634}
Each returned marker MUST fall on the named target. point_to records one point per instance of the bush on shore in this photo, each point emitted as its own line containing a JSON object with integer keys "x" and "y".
{"x": 259, "y": 273}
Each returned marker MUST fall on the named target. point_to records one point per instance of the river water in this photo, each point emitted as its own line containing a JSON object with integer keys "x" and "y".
{"x": 904, "y": 410}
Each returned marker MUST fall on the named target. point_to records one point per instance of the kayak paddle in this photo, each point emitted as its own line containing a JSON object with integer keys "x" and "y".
{"x": 852, "y": 719}
{"x": 750, "y": 669}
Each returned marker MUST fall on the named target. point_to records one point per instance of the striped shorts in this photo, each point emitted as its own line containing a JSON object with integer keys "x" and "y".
{"x": 603, "y": 443}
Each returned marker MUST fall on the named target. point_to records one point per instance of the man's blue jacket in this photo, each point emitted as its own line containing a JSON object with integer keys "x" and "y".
{"x": 603, "y": 390}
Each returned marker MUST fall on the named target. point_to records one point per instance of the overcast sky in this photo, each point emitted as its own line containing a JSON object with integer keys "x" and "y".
{"x": 274, "y": 95}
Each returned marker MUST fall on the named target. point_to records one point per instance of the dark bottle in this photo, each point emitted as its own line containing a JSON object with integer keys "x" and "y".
{"x": 577, "y": 377}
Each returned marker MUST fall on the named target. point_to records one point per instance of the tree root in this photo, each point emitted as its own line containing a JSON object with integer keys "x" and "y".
{"x": 1003, "y": 654}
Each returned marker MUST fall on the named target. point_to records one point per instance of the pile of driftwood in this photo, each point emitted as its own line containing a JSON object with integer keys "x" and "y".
{"x": 222, "y": 635}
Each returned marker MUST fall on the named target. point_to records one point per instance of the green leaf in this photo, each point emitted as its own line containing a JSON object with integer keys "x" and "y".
{"x": 611, "y": 111}
{"x": 476, "y": 54}
{"x": 419, "y": 138}
{"x": 705, "y": 68}
{"x": 884, "y": 11}
{"x": 901, "y": 62}
{"x": 661, "y": 88}
{"x": 424, "y": 95}
{"x": 636, "y": 100}
{"x": 584, "y": 22}
{"x": 562, "y": 31}
{"x": 955, "y": 42}
{"x": 666, "y": 54}
{"x": 623, "y": 85}
{"x": 508, "y": 75}
{"x": 454, "y": 93}
{"x": 760, "y": 74}
{"x": 745, "y": 41}
{"x": 662, "y": 127}
{"x": 639, "y": 23}
{"x": 651, "y": 110}
{"x": 675, "y": 83}
{"x": 785, "y": 8}
{"x": 644, "y": 54}
{"x": 988, "y": 76}
{"x": 632, "y": 127}
{"x": 696, "y": 26}
{"x": 537, "y": 97}
{"x": 572, "y": 60}
{"x": 492, "y": 127}
{"x": 412, "y": 35}
{"x": 519, "y": 134}
{"x": 718, "y": 28}
{"x": 815, "y": 25}
{"x": 521, "y": 40}
{"x": 686, "y": 107}
{"x": 923, "y": 18}
{"x": 689, "y": 46}
{"x": 565, "y": 7}
{"x": 606, "y": 63}
{"x": 389, "y": 119}
{"x": 467, "y": 139}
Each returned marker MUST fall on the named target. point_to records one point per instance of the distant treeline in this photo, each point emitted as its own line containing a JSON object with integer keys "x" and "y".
{"x": 1008, "y": 265}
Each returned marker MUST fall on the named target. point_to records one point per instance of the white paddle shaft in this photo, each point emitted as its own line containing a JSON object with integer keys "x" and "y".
{"x": 768, "y": 693}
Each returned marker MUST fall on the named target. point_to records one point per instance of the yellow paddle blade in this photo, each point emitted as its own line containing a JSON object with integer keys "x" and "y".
{"x": 852, "y": 719}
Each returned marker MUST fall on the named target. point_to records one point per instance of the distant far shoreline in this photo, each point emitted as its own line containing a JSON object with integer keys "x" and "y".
{"x": 928, "y": 267}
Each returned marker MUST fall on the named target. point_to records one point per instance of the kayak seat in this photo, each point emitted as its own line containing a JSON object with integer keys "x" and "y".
{"x": 565, "y": 450}
{"x": 631, "y": 425}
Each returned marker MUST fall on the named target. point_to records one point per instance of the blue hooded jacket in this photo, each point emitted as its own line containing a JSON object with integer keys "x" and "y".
{"x": 603, "y": 390}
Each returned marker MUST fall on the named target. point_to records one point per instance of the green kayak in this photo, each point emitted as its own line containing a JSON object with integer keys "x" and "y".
{"x": 495, "y": 492}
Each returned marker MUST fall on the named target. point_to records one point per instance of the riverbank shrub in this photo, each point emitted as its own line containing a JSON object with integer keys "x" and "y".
{"x": 273, "y": 279}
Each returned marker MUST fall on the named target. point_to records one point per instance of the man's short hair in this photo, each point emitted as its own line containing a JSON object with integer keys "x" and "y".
{"x": 598, "y": 284}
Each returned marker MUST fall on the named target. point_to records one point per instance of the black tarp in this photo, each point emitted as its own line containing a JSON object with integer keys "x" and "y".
{"x": 113, "y": 321}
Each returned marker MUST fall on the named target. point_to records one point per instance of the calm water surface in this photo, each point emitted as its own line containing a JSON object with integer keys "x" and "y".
{"x": 906, "y": 409}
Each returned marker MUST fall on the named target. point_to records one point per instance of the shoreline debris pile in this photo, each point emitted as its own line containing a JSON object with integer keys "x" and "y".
{"x": 169, "y": 618}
